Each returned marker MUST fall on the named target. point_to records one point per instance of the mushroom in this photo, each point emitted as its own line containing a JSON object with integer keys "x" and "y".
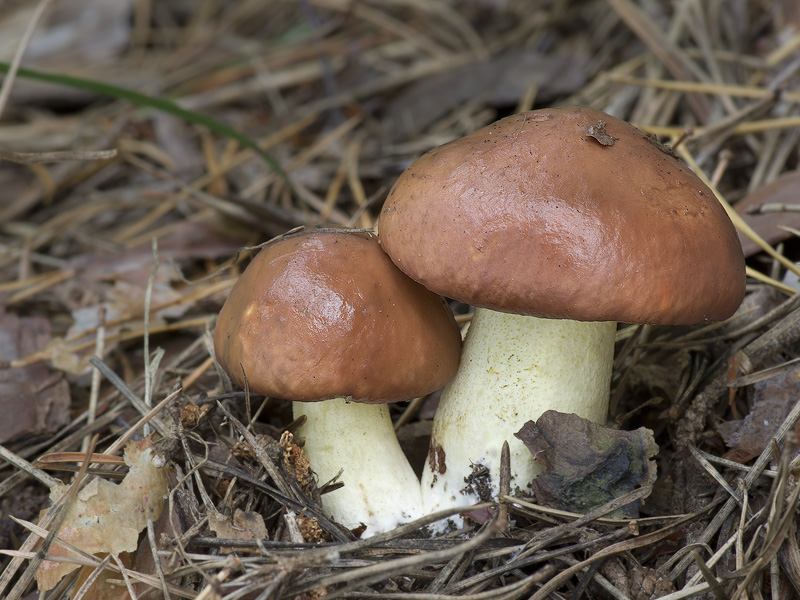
{"x": 555, "y": 224}
{"x": 325, "y": 315}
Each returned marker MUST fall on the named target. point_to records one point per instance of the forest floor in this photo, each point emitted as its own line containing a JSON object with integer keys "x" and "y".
{"x": 146, "y": 147}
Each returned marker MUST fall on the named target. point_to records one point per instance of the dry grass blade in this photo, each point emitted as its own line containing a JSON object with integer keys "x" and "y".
{"x": 782, "y": 517}
{"x": 53, "y": 519}
{"x": 765, "y": 374}
{"x": 79, "y": 557}
{"x": 708, "y": 576}
{"x": 740, "y": 223}
{"x": 358, "y": 578}
{"x": 612, "y": 550}
{"x": 47, "y": 460}
{"x": 716, "y": 475}
{"x": 749, "y": 481}
{"x": 26, "y": 467}
{"x": 673, "y": 58}
{"x": 743, "y": 91}
{"x": 8, "y": 82}
{"x": 31, "y": 158}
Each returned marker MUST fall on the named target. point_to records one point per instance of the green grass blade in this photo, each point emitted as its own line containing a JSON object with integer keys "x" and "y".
{"x": 161, "y": 104}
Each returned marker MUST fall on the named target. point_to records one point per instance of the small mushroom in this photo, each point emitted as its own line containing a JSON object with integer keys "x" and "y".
{"x": 556, "y": 224}
{"x": 325, "y": 315}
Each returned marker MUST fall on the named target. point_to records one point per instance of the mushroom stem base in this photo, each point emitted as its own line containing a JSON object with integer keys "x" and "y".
{"x": 513, "y": 368}
{"x": 380, "y": 488}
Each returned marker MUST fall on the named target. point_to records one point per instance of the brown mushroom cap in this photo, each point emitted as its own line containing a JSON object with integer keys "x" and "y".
{"x": 326, "y": 314}
{"x": 565, "y": 213}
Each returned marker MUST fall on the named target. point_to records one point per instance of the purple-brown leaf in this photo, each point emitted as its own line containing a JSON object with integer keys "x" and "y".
{"x": 768, "y": 224}
{"x": 773, "y": 399}
{"x": 586, "y": 464}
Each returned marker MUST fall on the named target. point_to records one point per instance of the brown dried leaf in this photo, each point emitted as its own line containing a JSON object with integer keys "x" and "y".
{"x": 106, "y": 517}
{"x": 245, "y": 525}
{"x": 649, "y": 583}
{"x": 165, "y": 530}
{"x": 124, "y": 300}
{"x": 586, "y": 464}
{"x": 781, "y": 191}
{"x": 187, "y": 240}
{"x": 34, "y": 399}
{"x": 598, "y": 132}
{"x": 102, "y": 588}
{"x": 115, "y": 284}
{"x": 772, "y": 401}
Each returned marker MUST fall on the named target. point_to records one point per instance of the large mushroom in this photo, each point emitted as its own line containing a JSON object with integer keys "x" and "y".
{"x": 555, "y": 224}
{"x": 325, "y": 315}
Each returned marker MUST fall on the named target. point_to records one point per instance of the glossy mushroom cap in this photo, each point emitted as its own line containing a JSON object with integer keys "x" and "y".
{"x": 326, "y": 314}
{"x": 565, "y": 213}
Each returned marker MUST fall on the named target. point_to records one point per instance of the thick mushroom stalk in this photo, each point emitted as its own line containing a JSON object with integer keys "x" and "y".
{"x": 513, "y": 368}
{"x": 566, "y": 215}
{"x": 325, "y": 314}
{"x": 381, "y": 489}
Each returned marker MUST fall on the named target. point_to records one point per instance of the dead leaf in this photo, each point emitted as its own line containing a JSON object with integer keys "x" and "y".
{"x": 586, "y": 464}
{"x": 102, "y": 588}
{"x": 165, "y": 530}
{"x": 34, "y": 399}
{"x": 115, "y": 284}
{"x": 245, "y": 525}
{"x": 125, "y": 300}
{"x": 781, "y": 191}
{"x": 106, "y": 517}
{"x": 598, "y": 132}
{"x": 636, "y": 581}
{"x": 772, "y": 401}
{"x": 186, "y": 240}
